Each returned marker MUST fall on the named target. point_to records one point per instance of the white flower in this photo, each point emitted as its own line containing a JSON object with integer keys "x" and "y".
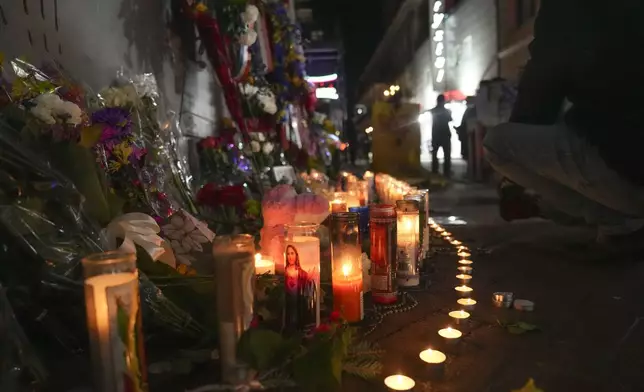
{"x": 267, "y": 103}
{"x": 48, "y": 100}
{"x": 120, "y": 96}
{"x": 248, "y": 38}
{"x": 267, "y": 148}
{"x": 250, "y": 15}
{"x": 50, "y": 108}
{"x": 185, "y": 235}
{"x": 255, "y": 146}
{"x": 44, "y": 114}
{"x": 249, "y": 90}
{"x": 71, "y": 110}
{"x": 260, "y": 136}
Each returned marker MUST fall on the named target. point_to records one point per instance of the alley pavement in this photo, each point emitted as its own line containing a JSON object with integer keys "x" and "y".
{"x": 588, "y": 317}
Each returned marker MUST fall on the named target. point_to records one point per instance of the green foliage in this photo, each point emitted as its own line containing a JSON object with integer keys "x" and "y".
{"x": 315, "y": 363}
{"x": 518, "y": 328}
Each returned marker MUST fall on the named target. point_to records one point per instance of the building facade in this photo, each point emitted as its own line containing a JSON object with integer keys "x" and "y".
{"x": 448, "y": 47}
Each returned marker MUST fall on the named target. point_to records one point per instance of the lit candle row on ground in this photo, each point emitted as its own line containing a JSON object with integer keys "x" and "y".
{"x": 433, "y": 358}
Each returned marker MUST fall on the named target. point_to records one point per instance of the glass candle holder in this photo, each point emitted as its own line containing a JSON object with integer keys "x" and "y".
{"x": 235, "y": 289}
{"x": 346, "y": 255}
{"x": 423, "y": 215}
{"x": 339, "y": 202}
{"x": 114, "y": 322}
{"x": 407, "y": 243}
{"x": 382, "y": 236}
{"x": 302, "y": 277}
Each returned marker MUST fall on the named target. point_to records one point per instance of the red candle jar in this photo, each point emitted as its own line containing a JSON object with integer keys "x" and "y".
{"x": 382, "y": 231}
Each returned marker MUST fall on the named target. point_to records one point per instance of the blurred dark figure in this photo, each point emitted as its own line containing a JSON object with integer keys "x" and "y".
{"x": 590, "y": 167}
{"x": 441, "y": 135}
{"x": 461, "y": 130}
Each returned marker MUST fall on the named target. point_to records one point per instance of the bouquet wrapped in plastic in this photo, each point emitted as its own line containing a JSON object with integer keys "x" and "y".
{"x": 55, "y": 216}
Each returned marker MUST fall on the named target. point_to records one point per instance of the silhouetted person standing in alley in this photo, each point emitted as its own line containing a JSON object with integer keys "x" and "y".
{"x": 441, "y": 135}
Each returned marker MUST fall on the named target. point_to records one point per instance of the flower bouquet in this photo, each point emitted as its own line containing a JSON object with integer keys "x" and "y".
{"x": 57, "y": 216}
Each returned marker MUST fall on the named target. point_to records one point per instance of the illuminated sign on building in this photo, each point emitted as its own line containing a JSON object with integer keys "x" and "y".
{"x": 438, "y": 40}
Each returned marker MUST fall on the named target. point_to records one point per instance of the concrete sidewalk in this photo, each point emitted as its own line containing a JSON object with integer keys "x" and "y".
{"x": 588, "y": 308}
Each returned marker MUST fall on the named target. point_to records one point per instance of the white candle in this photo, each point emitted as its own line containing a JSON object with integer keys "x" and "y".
{"x": 465, "y": 278}
{"x": 446, "y": 234}
{"x": 467, "y": 303}
{"x": 465, "y": 262}
{"x": 264, "y": 264}
{"x": 456, "y": 242}
{"x": 464, "y": 254}
{"x": 459, "y": 315}
{"x": 432, "y": 356}
{"x": 465, "y": 270}
{"x": 463, "y": 290}
{"x": 398, "y": 382}
{"x": 112, "y": 306}
{"x": 450, "y": 334}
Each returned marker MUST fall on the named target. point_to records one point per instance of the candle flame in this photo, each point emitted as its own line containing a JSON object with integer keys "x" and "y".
{"x": 258, "y": 258}
{"x": 346, "y": 269}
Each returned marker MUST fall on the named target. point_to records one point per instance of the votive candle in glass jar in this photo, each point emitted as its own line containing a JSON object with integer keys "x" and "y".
{"x": 423, "y": 228}
{"x": 407, "y": 241}
{"x": 301, "y": 277}
{"x": 382, "y": 238}
{"x": 235, "y": 290}
{"x": 114, "y": 322}
{"x": 346, "y": 257}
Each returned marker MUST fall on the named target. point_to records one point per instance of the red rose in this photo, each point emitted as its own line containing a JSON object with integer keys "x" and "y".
{"x": 233, "y": 196}
{"x": 207, "y": 195}
{"x": 335, "y": 317}
{"x": 209, "y": 143}
{"x": 323, "y": 328}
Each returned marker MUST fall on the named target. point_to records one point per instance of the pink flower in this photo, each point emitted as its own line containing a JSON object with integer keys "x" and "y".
{"x": 312, "y": 208}
{"x": 280, "y": 193}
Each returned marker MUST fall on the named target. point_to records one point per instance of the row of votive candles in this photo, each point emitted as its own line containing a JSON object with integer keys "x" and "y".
{"x": 435, "y": 359}
{"x": 389, "y": 189}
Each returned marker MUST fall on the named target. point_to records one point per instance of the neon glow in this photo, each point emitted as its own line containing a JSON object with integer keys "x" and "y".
{"x": 326, "y": 93}
{"x": 322, "y": 79}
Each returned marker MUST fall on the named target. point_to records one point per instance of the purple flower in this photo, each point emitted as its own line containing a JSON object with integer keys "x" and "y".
{"x": 116, "y": 122}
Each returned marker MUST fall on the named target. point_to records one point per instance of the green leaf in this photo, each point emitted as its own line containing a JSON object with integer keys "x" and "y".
{"x": 527, "y": 326}
{"x": 315, "y": 368}
{"x": 258, "y": 347}
{"x": 79, "y": 164}
{"x": 513, "y": 329}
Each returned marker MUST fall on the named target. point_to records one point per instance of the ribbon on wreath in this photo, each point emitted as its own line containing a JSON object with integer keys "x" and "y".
{"x": 138, "y": 229}
{"x": 215, "y": 45}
